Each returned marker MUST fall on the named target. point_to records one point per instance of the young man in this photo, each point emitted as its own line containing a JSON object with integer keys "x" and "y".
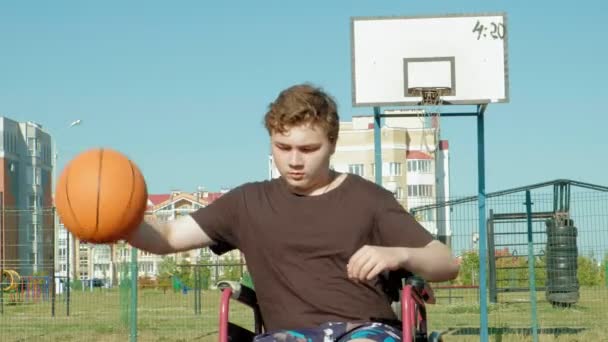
{"x": 316, "y": 241}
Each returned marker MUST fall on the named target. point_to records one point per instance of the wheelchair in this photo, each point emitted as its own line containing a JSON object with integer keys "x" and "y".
{"x": 409, "y": 295}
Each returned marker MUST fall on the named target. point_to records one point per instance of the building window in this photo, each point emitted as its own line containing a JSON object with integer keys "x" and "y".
{"x": 29, "y": 175}
{"x": 421, "y": 166}
{"x": 124, "y": 252}
{"x": 356, "y": 169}
{"x": 146, "y": 267}
{"x": 399, "y": 193}
{"x": 37, "y": 176}
{"x": 31, "y": 146}
{"x": 32, "y": 233}
{"x": 420, "y": 190}
{"x": 100, "y": 268}
{"x": 425, "y": 216}
{"x": 394, "y": 169}
{"x": 34, "y": 201}
{"x": 45, "y": 154}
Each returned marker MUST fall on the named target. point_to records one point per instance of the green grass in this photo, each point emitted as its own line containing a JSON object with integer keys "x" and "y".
{"x": 170, "y": 317}
{"x": 97, "y": 316}
{"x": 510, "y": 319}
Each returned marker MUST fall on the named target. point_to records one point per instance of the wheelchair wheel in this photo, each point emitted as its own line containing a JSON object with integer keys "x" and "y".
{"x": 420, "y": 337}
{"x": 435, "y": 337}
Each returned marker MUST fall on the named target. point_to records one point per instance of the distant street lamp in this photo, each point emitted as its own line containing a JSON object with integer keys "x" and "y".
{"x": 56, "y": 154}
{"x": 54, "y": 182}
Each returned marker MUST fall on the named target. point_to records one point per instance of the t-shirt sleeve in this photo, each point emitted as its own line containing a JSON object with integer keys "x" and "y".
{"x": 395, "y": 227}
{"x": 220, "y": 221}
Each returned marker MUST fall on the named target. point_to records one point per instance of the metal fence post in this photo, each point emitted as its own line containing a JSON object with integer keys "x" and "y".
{"x": 67, "y": 273}
{"x": 133, "y": 312}
{"x": 531, "y": 275}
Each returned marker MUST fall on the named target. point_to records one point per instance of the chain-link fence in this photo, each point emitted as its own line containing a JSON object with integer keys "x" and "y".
{"x": 547, "y": 260}
{"x": 179, "y": 304}
{"x": 546, "y": 267}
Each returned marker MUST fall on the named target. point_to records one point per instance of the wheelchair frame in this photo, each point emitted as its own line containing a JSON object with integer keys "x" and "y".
{"x": 415, "y": 294}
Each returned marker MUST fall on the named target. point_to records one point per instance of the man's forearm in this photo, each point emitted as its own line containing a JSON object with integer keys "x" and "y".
{"x": 151, "y": 236}
{"x": 433, "y": 262}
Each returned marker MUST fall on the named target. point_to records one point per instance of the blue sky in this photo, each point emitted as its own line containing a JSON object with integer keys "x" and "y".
{"x": 165, "y": 81}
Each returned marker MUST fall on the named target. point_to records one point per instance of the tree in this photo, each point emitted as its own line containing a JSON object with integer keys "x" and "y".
{"x": 205, "y": 271}
{"x": 589, "y": 272}
{"x": 167, "y": 266}
{"x": 469, "y": 269}
{"x": 511, "y": 270}
{"x": 231, "y": 269}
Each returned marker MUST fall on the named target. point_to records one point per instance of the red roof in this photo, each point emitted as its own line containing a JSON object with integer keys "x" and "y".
{"x": 417, "y": 155}
{"x": 156, "y": 199}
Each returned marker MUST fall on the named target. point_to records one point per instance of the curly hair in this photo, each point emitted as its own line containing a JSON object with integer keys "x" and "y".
{"x": 303, "y": 104}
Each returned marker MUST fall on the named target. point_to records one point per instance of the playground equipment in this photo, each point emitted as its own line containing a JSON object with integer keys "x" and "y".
{"x": 562, "y": 266}
{"x": 9, "y": 280}
{"x": 24, "y": 289}
{"x": 178, "y": 285}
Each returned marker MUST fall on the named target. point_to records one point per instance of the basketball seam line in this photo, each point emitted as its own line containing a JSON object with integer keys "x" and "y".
{"x": 129, "y": 203}
{"x": 98, "y": 191}
{"x": 67, "y": 195}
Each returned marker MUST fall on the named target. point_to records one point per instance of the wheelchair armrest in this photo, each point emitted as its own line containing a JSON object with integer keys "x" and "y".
{"x": 240, "y": 292}
{"x": 422, "y": 288}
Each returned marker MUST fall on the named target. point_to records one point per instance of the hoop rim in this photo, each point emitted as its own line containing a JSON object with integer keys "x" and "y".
{"x": 418, "y": 91}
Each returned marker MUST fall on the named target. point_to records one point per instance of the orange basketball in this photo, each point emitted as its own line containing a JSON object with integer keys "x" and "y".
{"x": 101, "y": 196}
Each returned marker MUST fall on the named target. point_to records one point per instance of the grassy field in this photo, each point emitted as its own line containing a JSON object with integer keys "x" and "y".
{"x": 510, "y": 319}
{"x": 98, "y": 316}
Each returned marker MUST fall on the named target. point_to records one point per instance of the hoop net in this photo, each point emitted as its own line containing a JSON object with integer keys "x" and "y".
{"x": 431, "y": 98}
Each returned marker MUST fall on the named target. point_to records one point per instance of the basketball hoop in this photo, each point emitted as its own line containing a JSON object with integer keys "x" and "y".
{"x": 431, "y": 96}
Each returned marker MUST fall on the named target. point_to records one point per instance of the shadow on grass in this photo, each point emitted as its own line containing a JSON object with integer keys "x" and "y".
{"x": 518, "y": 331}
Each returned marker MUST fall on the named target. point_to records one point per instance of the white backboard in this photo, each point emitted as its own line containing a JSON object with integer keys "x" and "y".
{"x": 467, "y": 53}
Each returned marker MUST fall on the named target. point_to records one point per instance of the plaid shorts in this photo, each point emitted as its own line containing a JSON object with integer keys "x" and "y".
{"x": 335, "y": 332}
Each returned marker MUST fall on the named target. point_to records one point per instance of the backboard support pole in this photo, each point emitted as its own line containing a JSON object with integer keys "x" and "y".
{"x": 483, "y": 236}
{"x": 481, "y": 196}
{"x": 378, "y": 145}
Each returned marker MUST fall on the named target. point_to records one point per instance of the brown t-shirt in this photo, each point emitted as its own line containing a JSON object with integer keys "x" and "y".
{"x": 297, "y": 247}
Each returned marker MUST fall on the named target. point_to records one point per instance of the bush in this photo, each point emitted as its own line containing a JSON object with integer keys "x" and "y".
{"x": 589, "y": 273}
{"x": 603, "y": 271}
{"x": 75, "y": 284}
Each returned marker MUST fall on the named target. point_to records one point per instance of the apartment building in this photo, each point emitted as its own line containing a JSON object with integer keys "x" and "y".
{"x": 26, "y": 225}
{"x": 415, "y": 161}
